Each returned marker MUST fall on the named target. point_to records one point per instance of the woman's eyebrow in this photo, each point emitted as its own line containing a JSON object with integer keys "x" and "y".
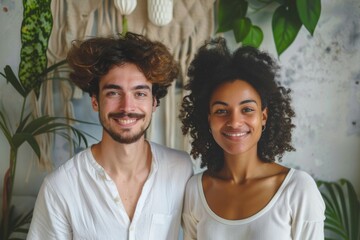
{"x": 242, "y": 102}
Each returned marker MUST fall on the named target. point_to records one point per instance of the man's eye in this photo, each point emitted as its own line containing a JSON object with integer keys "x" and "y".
{"x": 141, "y": 94}
{"x": 112, "y": 93}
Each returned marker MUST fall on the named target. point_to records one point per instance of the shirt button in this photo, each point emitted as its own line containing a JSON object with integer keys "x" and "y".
{"x": 102, "y": 175}
{"x": 131, "y": 228}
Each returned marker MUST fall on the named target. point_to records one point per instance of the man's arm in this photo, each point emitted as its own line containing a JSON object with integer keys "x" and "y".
{"x": 49, "y": 219}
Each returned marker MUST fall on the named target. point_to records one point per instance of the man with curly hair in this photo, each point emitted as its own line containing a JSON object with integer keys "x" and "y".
{"x": 240, "y": 120}
{"x": 123, "y": 187}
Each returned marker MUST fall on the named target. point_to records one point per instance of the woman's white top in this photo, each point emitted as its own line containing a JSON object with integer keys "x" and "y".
{"x": 295, "y": 212}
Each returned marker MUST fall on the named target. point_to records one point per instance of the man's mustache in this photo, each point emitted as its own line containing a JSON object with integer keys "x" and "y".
{"x": 126, "y": 114}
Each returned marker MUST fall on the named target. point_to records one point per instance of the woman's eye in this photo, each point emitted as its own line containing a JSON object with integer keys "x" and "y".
{"x": 247, "y": 110}
{"x": 220, "y": 111}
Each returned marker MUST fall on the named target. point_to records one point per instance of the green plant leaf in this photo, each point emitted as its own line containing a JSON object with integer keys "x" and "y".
{"x": 241, "y": 28}
{"x": 254, "y": 38}
{"x": 6, "y": 130}
{"x": 23, "y": 123}
{"x": 354, "y": 206}
{"x": 285, "y": 26}
{"x": 20, "y": 223}
{"x": 53, "y": 67}
{"x": 35, "y": 32}
{"x": 20, "y": 138}
{"x": 37, "y": 123}
{"x": 309, "y": 13}
{"x": 228, "y": 12}
{"x": 12, "y": 79}
{"x": 342, "y": 209}
{"x": 281, "y": 2}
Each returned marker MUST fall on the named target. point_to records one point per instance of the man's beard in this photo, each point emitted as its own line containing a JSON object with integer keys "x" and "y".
{"x": 125, "y": 139}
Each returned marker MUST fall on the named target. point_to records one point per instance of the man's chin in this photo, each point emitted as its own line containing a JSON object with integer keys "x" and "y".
{"x": 127, "y": 139}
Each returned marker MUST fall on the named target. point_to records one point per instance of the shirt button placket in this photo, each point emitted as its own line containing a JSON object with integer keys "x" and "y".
{"x": 132, "y": 232}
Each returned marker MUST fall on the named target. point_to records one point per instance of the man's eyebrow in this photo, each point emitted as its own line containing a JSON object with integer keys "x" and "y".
{"x": 111, "y": 86}
{"x": 142, "y": 87}
{"x": 114, "y": 86}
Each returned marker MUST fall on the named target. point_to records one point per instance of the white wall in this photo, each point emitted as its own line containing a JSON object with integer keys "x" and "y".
{"x": 323, "y": 72}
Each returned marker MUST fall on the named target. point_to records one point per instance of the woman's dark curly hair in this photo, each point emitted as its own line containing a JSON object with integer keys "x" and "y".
{"x": 93, "y": 58}
{"x": 214, "y": 65}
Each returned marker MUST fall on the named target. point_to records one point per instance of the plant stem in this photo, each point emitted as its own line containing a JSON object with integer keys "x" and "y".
{"x": 22, "y": 109}
{"x": 53, "y": 67}
{"x": 124, "y": 25}
{"x": 7, "y": 194}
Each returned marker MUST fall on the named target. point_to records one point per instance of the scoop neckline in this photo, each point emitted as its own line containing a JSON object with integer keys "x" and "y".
{"x": 248, "y": 219}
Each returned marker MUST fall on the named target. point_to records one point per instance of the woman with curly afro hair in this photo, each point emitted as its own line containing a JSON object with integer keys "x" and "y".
{"x": 240, "y": 121}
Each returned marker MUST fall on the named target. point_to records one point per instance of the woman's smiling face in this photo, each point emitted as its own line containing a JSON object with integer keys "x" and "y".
{"x": 235, "y": 117}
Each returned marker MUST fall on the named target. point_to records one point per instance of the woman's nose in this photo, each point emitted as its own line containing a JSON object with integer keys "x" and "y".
{"x": 235, "y": 120}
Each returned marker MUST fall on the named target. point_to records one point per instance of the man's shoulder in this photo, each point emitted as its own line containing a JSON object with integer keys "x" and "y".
{"x": 162, "y": 149}
{"x": 164, "y": 154}
{"x": 71, "y": 167}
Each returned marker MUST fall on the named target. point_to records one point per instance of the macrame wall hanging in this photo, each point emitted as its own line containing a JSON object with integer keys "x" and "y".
{"x": 182, "y": 25}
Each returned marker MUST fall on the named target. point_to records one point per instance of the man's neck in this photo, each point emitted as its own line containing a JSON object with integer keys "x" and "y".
{"x": 125, "y": 159}
{"x": 128, "y": 165}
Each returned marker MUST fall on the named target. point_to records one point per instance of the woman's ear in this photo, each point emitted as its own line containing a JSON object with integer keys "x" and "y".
{"x": 264, "y": 115}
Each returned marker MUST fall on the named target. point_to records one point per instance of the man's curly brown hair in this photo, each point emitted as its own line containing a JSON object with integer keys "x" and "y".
{"x": 213, "y": 65}
{"x": 93, "y": 58}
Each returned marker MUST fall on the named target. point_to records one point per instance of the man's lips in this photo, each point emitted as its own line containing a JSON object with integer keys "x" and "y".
{"x": 126, "y": 115}
{"x": 126, "y": 118}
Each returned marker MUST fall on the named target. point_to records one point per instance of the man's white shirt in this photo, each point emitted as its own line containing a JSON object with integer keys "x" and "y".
{"x": 80, "y": 201}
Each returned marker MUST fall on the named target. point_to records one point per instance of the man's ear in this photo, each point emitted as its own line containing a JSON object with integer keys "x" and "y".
{"x": 95, "y": 103}
{"x": 154, "y": 104}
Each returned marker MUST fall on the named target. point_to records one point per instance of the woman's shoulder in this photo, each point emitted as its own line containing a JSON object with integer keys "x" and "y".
{"x": 300, "y": 178}
{"x": 301, "y": 185}
{"x": 304, "y": 197}
{"x": 193, "y": 184}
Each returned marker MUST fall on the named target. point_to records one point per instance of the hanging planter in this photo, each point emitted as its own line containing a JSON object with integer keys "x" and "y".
{"x": 160, "y": 11}
{"x": 125, "y": 7}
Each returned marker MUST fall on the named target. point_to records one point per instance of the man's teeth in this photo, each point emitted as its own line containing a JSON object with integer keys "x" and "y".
{"x": 126, "y": 121}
